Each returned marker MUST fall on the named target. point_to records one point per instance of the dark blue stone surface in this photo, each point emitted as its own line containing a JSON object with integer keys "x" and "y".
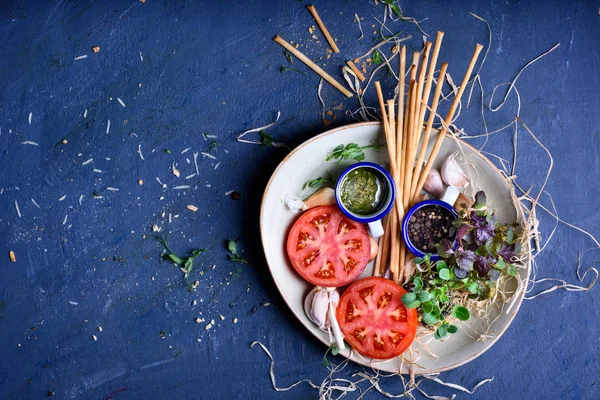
{"x": 185, "y": 68}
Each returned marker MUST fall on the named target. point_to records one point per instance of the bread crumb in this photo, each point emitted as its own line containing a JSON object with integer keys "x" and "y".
{"x": 96, "y": 49}
{"x": 140, "y": 182}
{"x": 191, "y": 207}
{"x": 235, "y": 320}
{"x": 95, "y": 338}
{"x": 11, "y": 255}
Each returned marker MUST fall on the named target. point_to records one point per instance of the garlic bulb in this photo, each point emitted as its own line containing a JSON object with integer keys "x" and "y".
{"x": 434, "y": 183}
{"x": 319, "y": 306}
{"x": 322, "y": 197}
{"x": 453, "y": 174}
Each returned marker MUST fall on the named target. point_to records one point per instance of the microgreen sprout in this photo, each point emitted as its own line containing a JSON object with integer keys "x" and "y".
{"x": 185, "y": 264}
{"x": 285, "y": 69}
{"x": 352, "y": 151}
{"x": 235, "y": 256}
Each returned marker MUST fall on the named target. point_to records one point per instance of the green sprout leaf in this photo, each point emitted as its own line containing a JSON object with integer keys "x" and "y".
{"x": 285, "y": 69}
{"x": 461, "y": 313}
{"x": 265, "y": 139}
{"x": 377, "y": 57}
{"x": 444, "y": 274}
{"x": 418, "y": 260}
{"x": 451, "y": 328}
{"x": 472, "y": 287}
{"x": 352, "y": 151}
{"x": 429, "y": 318}
{"x": 441, "y": 332}
{"x": 423, "y": 296}
{"x": 512, "y": 270}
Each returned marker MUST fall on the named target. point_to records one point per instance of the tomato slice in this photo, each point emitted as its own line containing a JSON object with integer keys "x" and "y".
{"x": 373, "y": 319}
{"x": 327, "y": 248}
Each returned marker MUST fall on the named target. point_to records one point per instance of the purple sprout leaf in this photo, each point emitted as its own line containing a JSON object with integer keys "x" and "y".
{"x": 483, "y": 233}
{"x": 444, "y": 249}
{"x": 482, "y": 266}
{"x": 460, "y": 273}
{"x": 493, "y": 274}
{"x": 465, "y": 259}
{"x": 462, "y": 231}
{"x": 507, "y": 252}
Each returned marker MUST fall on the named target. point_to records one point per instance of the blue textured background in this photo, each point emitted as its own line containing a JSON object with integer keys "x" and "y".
{"x": 211, "y": 67}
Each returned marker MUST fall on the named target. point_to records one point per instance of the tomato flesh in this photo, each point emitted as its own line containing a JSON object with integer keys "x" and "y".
{"x": 373, "y": 319}
{"x": 328, "y": 249}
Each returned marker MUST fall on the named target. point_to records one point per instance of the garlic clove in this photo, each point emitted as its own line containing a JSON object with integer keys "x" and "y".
{"x": 374, "y": 249}
{"x": 434, "y": 183}
{"x": 308, "y": 304}
{"x": 322, "y": 197}
{"x": 320, "y": 305}
{"x": 452, "y": 174}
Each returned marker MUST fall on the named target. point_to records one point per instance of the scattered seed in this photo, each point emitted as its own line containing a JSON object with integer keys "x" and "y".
{"x": 95, "y": 338}
{"x": 236, "y": 195}
{"x": 99, "y": 329}
{"x": 222, "y": 317}
{"x": 96, "y": 49}
{"x": 140, "y": 182}
{"x": 207, "y": 327}
{"x": 191, "y": 208}
{"x": 11, "y": 255}
{"x": 235, "y": 320}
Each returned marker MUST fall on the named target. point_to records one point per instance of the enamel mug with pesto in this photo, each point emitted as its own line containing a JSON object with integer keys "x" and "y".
{"x": 365, "y": 193}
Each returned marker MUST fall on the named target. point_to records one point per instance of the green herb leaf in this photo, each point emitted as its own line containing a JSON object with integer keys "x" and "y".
{"x": 352, "y": 151}
{"x": 427, "y": 307}
{"x": 511, "y": 270}
{"x": 232, "y": 247}
{"x": 444, "y": 274}
{"x": 288, "y": 55}
{"x": 409, "y": 298}
{"x": 265, "y": 139}
{"x": 440, "y": 265}
{"x": 423, "y": 296}
{"x": 377, "y": 57}
{"x": 335, "y": 350}
{"x": 500, "y": 264}
{"x": 472, "y": 287}
{"x": 418, "y": 282}
{"x": 285, "y": 69}
{"x": 441, "y": 332}
{"x": 174, "y": 258}
{"x": 167, "y": 151}
{"x": 461, "y": 313}
{"x": 418, "y": 260}
{"x": 429, "y": 318}
{"x": 451, "y": 328}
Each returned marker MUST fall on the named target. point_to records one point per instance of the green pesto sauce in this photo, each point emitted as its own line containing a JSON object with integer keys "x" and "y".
{"x": 363, "y": 190}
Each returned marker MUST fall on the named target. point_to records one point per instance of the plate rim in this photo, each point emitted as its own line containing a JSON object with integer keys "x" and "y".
{"x": 517, "y": 205}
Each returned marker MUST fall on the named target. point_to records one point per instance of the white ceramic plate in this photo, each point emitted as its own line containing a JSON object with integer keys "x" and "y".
{"x": 307, "y": 162}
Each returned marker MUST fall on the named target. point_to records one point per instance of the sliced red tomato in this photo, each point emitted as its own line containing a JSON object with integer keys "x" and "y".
{"x": 373, "y": 319}
{"x": 327, "y": 248}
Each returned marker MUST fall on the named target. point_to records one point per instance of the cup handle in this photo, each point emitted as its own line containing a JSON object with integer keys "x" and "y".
{"x": 376, "y": 228}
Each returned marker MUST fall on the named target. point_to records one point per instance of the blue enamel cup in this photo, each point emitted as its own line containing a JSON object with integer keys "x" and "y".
{"x": 411, "y": 212}
{"x": 373, "y": 219}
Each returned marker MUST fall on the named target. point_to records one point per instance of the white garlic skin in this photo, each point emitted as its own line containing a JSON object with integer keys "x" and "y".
{"x": 316, "y": 305}
{"x": 452, "y": 174}
{"x": 434, "y": 183}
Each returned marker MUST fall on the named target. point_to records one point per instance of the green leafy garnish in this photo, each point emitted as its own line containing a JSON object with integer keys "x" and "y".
{"x": 377, "y": 57}
{"x": 235, "y": 256}
{"x": 265, "y": 139}
{"x": 167, "y": 151}
{"x": 288, "y": 55}
{"x": 394, "y": 7}
{"x": 185, "y": 264}
{"x": 213, "y": 145}
{"x": 285, "y": 69}
{"x": 316, "y": 183}
{"x": 352, "y": 151}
